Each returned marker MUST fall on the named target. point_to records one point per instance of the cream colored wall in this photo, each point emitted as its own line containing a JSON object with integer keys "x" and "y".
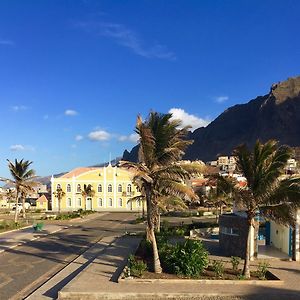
{"x": 103, "y": 176}
{"x": 280, "y": 237}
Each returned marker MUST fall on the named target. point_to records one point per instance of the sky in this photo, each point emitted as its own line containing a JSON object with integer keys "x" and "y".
{"x": 75, "y": 74}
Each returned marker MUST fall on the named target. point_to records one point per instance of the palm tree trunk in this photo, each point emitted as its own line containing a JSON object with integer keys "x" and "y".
{"x": 143, "y": 208}
{"x": 16, "y": 212}
{"x": 23, "y": 207}
{"x": 150, "y": 230}
{"x": 246, "y": 269}
{"x": 59, "y": 205}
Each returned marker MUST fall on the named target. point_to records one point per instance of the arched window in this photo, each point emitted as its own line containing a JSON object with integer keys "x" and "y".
{"x": 100, "y": 202}
{"x": 120, "y": 202}
{"x": 138, "y": 203}
{"x": 78, "y": 188}
{"x": 109, "y": 188}
{"x": 69, "y": 202}
{"x": 120, "y": 188}
{"x": 69, "y": 188}
{"x": 79, "y": 202}
{"x": 99, "y": 188}
{"x": 58, "y": 187}
{"x": 110, "y": 202}
{"x": 129, "y": 188}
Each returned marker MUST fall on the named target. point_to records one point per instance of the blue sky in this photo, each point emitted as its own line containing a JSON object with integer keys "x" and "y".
{"x": 75, "y": 74}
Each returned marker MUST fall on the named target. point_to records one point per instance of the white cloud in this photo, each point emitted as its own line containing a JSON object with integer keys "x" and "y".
{"x": 19, "y": 147}
{"x": 6, "y": 42}
{"x": 127, "y": 38}
{"x": 19, "y": 107}
{"x": 71, "y": 112}
{"x": 221, "y": 99}
{"x": 130, "y": 138}
{"x": 99, "y": 135}
{"x": 78, "y": 137}
{"x": 188, "y": 119}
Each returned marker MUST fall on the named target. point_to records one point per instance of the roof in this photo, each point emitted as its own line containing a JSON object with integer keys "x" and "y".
{"x": 77, "y": 172}
{"x": 42, "y": 199}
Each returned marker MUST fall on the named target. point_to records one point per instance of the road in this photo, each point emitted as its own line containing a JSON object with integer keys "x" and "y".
{"x": 26, "y": 267}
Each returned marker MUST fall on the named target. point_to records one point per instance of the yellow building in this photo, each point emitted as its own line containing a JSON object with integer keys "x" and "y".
{"x": 112, "y": 186}
{"x": 42, "y": 203}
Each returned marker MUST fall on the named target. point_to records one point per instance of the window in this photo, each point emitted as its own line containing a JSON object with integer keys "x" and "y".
{"x": 129, "y": 188}
{"x": 110, "y": 202}
{"x": 100, "y": 202}
{"x": 69, "y": 202}
{"x": 138, "y": 203}
{"x": 229, "y": 231}
{"x": 109, "y": 188}
{"x": 99, "y": 188}
{"x": 79, "y": 202}
{"x": 120, "y": 202}
{"x": 69, "y": 188}
{"x": 119, "y": 188}
{"x": 78, "y": 188}
{"x": 58, "y": 187}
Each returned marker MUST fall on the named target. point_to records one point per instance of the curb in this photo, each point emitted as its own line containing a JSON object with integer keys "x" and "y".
{"x": 17, "y": 229}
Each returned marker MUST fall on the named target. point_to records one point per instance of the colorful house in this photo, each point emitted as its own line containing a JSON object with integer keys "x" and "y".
{"x": 112, "y": 190}
{"x": 42, "y": 203}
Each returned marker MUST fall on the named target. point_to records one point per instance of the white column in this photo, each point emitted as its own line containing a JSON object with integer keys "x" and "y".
{"x": 115, "y": 186}
{"x": 104, "y": 187}
{"x": 73, "y": 192}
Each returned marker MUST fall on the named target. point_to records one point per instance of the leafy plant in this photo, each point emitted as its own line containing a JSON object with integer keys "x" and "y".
{"x": 241, "y": 277}
{"x": 235, "y": 261}
{"x": 262, "y": 269}
{"x": 136, "y": 267}
{"x": 218, "y": 268}
{"x": 187, "y": 259}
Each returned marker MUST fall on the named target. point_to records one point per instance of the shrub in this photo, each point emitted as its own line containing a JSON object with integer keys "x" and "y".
{"x": 262, "y": 269}
{"x": 218, "y": 268}
{"x": 187, "y": 259}
{"x": 235, "y": 261}
{"x": 136, "y": 267}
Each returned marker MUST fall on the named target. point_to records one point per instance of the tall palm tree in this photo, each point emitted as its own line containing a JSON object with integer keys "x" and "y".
{"x": 159, "y": 172}
{"x": 22, "y": 180}
{"x": 10, "y": 196}
{"x": 59, "y": 194}
{"x": 268, "y": 191}
{"x": 87, "y": 192}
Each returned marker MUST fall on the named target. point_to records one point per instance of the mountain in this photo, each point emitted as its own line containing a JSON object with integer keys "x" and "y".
{"x": 275, "y": 115}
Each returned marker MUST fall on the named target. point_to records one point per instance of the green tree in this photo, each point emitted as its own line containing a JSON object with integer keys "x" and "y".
{"x": 268, "y": 191}
{"x": 59, "y": 194}
{"x": 22, "y": 180}
{"x": 159, "y": 171}
{"x": 87, "y": 192}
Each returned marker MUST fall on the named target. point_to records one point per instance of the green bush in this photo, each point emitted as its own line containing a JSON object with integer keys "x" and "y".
{"x": 218, "y": 268}
{"x": 186, "y": 259}
{"x": 136, "y": 267}
{"x": 235, "y": 261}
{"x": 262, "y": 269}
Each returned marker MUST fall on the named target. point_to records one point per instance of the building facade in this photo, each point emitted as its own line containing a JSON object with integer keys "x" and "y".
{"x": 112, "y": 190}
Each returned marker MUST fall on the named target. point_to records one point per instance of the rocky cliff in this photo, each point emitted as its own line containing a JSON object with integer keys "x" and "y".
{"x": 273, "y": 116}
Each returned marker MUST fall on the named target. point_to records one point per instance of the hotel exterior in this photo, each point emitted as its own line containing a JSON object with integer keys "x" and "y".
{"x": 112, "y": 188}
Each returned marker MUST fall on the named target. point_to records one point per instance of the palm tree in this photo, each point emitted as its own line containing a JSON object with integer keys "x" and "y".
{"x": 59, "y": 194}
{"x": 159, "y": 172}
{"x": 268, "y": 191}
{"x": 87, "y": 192}
{"x": 10, "y": 195}
{"x": 22, "y": 180}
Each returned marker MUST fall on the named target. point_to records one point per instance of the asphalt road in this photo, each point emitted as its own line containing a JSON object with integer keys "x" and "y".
{"x": 26, "y": 267}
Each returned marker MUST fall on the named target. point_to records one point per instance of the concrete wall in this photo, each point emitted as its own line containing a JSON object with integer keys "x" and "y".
{"x": 279, "y": 237}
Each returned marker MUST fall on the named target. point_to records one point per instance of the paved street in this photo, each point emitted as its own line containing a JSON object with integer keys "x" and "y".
{"x": 26, "y": 267}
